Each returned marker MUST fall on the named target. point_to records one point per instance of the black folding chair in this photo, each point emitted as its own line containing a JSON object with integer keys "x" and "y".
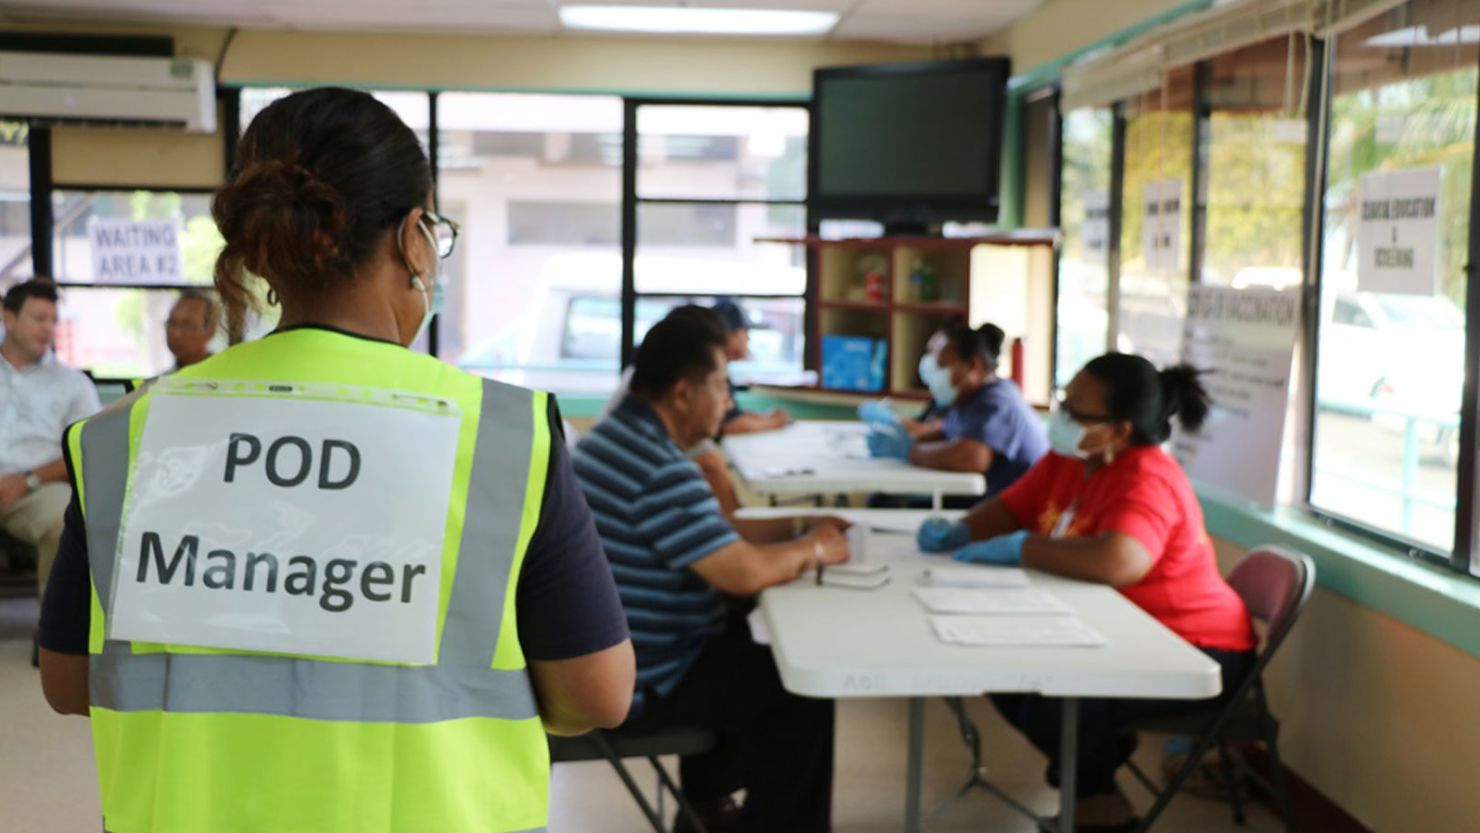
{"x": 615, "y": 745}
{"x": 1274, "y": 584}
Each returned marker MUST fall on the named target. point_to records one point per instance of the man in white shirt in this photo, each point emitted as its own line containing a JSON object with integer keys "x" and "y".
{"x": 192, "y": 324}
{"x": 39, "y": 398}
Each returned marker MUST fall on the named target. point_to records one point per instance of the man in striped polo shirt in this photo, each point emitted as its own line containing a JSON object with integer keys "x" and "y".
{"x": 676, "y": 560}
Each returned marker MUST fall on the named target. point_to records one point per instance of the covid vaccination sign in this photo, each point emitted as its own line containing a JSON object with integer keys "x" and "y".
{"x": 135, "y": 251}
{"x": 1244, "y": 340}
{"x": 286, "y": 519}
{"x": 1398, "y": 233}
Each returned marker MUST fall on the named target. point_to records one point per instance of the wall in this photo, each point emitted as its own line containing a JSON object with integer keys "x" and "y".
{"x": 665, "y": 67}
{"x": 1062, "y": 26}
{"x": 1377, "y": 715}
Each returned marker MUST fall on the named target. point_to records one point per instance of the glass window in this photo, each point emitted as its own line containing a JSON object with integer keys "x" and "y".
{"x": 414, "y": 108}
{"x": 722, "y": 152}
{"x": 15, "y": 202}
{"x": 1155, "y": 225}
{"x": 1253, "y": 167}
{"x": 776, "y": 337}
{"x": 1391, "y": 353}
{"x": 1083, "y": 318}
{"x": 534, "y": 285}
{"x": 686, "y": 247}
{"x": 194, "y": 246}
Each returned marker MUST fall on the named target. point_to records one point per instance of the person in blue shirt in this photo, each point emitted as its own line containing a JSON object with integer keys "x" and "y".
{"x": 988, "y": 427}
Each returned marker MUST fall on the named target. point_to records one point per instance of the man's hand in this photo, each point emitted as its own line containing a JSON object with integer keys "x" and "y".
{"x": 834, "y": 545}
{"x": 12, "y": 488}
{"x": 836, "y": 523}
{"x": 779, "y": 418}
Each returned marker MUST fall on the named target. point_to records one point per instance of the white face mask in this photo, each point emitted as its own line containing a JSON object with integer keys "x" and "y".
{"x": 941, "y": 390}
{"x": 433, "y": 299}
{"x": 1065, "y": 435}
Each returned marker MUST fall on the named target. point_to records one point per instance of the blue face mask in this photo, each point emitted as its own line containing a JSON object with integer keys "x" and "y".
{"x": 433, "y": 299}
{"x": 941, "y": 390}
{"x": 1065, "y": 435}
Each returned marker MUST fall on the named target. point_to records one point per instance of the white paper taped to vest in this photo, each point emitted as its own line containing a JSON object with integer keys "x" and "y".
{"x": 287, "y": 519}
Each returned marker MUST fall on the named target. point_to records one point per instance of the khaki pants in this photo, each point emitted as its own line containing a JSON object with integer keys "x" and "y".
{"x": 36, "y": 519}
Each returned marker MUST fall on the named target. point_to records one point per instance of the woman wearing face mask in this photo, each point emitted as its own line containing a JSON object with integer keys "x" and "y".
{"x": 987, "y": 426}
{"x": 444, "y": 599}
{"x": 1110, "y": 506}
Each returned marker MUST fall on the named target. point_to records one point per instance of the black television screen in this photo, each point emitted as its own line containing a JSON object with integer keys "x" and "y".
{"x": 909, "y": 143}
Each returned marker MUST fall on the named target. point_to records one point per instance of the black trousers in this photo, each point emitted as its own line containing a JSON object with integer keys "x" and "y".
{"x": 1103, "y": 747}
{"x": 775, "y": 745}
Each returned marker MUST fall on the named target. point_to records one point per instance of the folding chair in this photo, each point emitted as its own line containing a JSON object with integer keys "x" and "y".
{"x": 617, "y": 744}
{"x": 1274, "y": 584}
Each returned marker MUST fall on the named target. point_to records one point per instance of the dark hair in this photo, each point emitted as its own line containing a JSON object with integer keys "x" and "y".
{"x": 17, "y": 296}
{"x": 984, "y": 342}
{"x": 680, "y": 346}
{"x": 1136, "y": 392}
{"x": 320, "y": 175}
{"x": 730, "y": 315}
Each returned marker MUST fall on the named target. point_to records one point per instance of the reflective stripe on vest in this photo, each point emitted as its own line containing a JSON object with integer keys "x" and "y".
{"x": 461, "y": 684}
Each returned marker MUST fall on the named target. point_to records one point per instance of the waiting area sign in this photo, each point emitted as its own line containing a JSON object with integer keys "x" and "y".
{"x": 135, "y": 251}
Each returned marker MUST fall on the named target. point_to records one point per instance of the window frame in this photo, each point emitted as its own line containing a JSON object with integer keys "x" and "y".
{"x": 632, "y": 201}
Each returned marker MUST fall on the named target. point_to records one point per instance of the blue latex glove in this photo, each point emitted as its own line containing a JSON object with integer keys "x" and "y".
{"x": 1002, "y": 551}
{"x": 941, "y": 535}
{"x": 890, "y": 441}
{"x": 877, "y": 414}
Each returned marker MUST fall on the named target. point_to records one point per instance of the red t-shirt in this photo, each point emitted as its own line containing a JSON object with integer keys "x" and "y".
{"x": 1145, "y": 495}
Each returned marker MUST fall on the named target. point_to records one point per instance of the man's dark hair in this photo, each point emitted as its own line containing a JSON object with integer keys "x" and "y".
{"x": 680, "y": 346}
{"x": 984, "y": 342}
{"x": 34, "y": 288}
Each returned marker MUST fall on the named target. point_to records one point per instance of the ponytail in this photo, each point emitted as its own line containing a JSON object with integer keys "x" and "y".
{"x": 1137, "y": 393}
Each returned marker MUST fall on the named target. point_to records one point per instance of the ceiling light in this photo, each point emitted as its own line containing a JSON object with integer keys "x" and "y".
{"x": 691, "y": 21}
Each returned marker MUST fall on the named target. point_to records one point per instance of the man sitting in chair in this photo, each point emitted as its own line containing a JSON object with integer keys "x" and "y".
{"x": 676, "y": 558}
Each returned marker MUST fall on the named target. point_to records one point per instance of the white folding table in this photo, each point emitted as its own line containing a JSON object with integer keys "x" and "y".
{"x": 821, "y": 457}
{"x": 837, "y": 642}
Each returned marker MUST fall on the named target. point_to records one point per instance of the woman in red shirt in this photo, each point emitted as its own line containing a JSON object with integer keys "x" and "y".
{"x": 1109, "y": 505}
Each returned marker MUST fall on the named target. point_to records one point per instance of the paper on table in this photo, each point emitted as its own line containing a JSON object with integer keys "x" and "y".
{"x": 976, "y": 577}
{"x": 758, "y": 632}
{"x": 992, "y": 601}
{"x": 1016, "y": 631}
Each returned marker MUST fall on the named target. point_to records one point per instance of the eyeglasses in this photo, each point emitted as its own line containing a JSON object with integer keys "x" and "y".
{"x": 1080, "y": 417}
{"x": 444, "y": 231}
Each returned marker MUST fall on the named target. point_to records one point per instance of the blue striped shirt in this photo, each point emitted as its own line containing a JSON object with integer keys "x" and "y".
{"x": 656, "y": 516}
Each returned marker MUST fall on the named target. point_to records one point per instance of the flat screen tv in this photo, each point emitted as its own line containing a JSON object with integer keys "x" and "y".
{"x": 910, "y": 145}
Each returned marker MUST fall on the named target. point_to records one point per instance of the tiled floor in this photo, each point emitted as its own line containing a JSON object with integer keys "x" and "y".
{"x": 47, "y": 783}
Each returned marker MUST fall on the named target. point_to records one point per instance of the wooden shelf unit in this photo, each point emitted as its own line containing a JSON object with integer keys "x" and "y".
{"x": 844, "y": 304}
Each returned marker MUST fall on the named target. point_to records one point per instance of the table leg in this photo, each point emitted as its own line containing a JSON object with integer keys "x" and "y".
{"x": 1068, "y": 762}
{"x": 912, "y": 776}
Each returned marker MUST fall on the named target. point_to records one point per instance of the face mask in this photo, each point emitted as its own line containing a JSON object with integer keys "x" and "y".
{"x": 941, "y": 388}
{"x": 1065, "y": 435}
{"x": 432, "y": 300}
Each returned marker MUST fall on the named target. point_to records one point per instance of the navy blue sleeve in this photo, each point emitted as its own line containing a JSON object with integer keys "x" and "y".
{"x": 66, "y": 612}
{"x": 567, "y": 599}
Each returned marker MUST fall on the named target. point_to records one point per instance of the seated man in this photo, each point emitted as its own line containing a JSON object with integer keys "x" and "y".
{"x": 192, "y": 324}
{"x": 737, "y": 348}
{"x": 39, "y": 398}
{"x": 676, "y": 558}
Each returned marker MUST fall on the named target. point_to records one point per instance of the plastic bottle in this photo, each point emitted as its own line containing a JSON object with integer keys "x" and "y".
{"x": 917, "y": 282}
{"x": 929, "y": 289}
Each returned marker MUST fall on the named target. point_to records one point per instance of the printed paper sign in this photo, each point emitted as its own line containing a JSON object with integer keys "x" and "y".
{"x": 286, "y": 524}
{"x": 135, "y": 251}
{"x": 1096, "y": 228}
{"x": 1161, "y": 225}
{"x": 1398, "y": 232}
{"x": 1245, "y": 340}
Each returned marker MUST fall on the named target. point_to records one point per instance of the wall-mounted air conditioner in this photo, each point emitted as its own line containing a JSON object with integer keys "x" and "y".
{"x": 105, "y": 90}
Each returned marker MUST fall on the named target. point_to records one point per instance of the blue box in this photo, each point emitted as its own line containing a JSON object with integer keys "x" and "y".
{"x": 853, "y": 363}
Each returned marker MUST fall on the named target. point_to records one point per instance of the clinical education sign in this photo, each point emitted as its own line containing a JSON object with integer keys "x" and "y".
{"x": 135, "y": 251}
{"x": 1398, "y": 232}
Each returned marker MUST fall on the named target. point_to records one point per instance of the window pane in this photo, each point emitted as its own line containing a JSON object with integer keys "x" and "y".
{"x": 1253, "y": 164}
{"x": 1084, "y": 261}
{"x": 15, "y": 202}
{"x": 712, "y": 249}
{"x": 413, "y": 107}
{"x": 776, "y": 339}
{"x": 197, "y": 241}
{"x": 1156, "y": 225}
{"x": 534, "y": 284}
{"x": 1391, "y": 365}
{"x": 722, "y": 152}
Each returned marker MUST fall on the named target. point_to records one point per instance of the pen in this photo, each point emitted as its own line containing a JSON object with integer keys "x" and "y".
{"x": 817, "y": 555}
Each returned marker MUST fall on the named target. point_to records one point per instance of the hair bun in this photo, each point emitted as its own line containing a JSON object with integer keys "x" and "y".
{"x": 289, "y": 222}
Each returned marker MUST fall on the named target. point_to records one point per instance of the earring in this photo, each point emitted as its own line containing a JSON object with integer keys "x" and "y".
{"x": 1109, "y": 456}
{"x": 272, "y": 297}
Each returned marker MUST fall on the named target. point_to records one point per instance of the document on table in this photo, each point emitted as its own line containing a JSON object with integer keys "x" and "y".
{"x": 1016, "y": 631}
{"x": 976, "y": 577}
{"x": 992, "y": 601}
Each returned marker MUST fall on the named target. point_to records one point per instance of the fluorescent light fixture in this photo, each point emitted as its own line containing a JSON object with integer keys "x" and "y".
{"x": 690, "y": 21}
